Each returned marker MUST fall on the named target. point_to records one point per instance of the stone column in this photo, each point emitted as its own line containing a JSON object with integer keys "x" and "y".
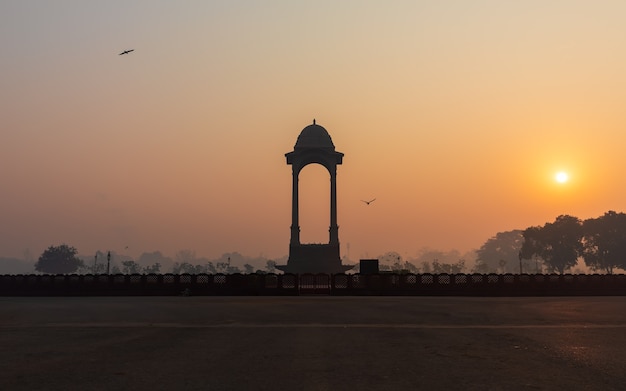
{"x": 295, "y": 224}
{"x": 334, "y": 229}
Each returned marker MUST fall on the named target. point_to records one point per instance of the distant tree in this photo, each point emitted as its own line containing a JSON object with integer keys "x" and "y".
{"x": 93, "y": 264}
{"x": 426, "y": 257}
{"x": 185, "y": 256}
{"x": 186, "y": 267}
{"x": 248, "y": 269}
{"x": 154, "y": 268}
{"x": 58, "y": 260}
{"x": 604, "y": 242}
{"x": 226, "y": 263}
{"x": 203, "y": 265}
{"x": 393, "y": 261}
{"x": 100, "y": 268}
{"x": 410, "y": 267}
{"x": 210, "y": 268}
{"x": 234, "y": 258}
{"x": 500, "y": 253}
{"x": 390, "y": 260}
{"x": 146, "y": 259}
{"x": 130, "y": 267}
{"x": 233, "y": 270}
{"x": 178, "y": 267}
{"x": 558, "y": 244}
{"x": 566, "y": 236}
{"x": 270, "y": 266}
{"x": 449, "y": 268}
{"x": 531, "y": 247}
{"x": 426, "y": 254}
{"x": 222, "y": 267}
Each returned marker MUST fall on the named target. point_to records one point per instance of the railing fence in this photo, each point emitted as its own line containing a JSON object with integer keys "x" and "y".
{"x": 426, "y": 284}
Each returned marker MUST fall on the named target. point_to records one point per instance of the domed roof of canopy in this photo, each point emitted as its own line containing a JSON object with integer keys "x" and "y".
{"x": 314, "y": 136}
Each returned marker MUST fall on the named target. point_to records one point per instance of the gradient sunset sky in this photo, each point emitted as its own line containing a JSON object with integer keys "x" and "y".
{"x": 455, "y": 115}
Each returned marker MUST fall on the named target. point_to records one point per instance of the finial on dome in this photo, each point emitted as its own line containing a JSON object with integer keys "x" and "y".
{"x": 313, "y": 121}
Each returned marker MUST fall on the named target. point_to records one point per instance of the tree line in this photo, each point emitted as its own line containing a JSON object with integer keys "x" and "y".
{"x": 600, "y": 242}
{"x": 64, "y": 259}
{"x": 556, "y": 247}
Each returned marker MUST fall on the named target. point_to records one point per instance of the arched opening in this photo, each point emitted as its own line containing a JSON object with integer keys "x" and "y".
{"x": 314, "y": 194}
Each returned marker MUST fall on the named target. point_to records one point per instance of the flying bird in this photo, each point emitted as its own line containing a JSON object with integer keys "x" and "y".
{"x": 370, "y": 201}
{"x": 126, "y": 51}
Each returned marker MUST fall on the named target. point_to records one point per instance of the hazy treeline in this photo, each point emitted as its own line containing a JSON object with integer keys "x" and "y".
{"x": 184, "y": 261}
{"x": 566, "y": 245}
{"x": 16, "y": 266}
{"x": 426, "y": 261}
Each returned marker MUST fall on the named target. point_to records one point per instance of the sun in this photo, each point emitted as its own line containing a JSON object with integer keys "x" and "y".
{"x": 561, "y": 177}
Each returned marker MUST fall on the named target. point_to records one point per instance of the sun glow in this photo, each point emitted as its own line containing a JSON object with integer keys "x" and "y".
{"x": 561, "y": 177}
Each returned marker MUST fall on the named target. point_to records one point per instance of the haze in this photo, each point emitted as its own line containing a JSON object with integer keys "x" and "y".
{"x": 454, "y": 115}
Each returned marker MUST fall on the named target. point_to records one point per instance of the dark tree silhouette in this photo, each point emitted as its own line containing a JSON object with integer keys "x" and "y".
{"x": 58, "y": 260}
{"x": 500, "y": 252}
{"x": 604, "y": 242}
{"x": 531, "y": 247}
{"x": 558, "y": 244}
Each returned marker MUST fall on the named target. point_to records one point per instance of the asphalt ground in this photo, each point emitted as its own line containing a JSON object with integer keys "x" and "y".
{"x": 312, "y": 343}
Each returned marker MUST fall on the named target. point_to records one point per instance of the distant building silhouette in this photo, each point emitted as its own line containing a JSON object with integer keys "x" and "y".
{"x": 314, "y": 145}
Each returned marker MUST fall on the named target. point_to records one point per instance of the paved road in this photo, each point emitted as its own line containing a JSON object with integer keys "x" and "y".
{"x": 312, "y": 343}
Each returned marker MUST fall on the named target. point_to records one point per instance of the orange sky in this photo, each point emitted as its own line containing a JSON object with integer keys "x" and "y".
{"x": 455, "y": 115}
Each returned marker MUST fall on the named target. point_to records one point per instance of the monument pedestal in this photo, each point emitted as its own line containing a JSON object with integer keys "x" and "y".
{"x": 314, "y": 258}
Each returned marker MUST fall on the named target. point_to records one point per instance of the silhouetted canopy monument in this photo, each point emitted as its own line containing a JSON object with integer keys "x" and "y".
{"x": 314, "y": 146}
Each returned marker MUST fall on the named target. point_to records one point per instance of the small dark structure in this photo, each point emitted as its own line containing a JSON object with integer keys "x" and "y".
{"x": 368, "y": 266}
{"x": 314, "y": 145}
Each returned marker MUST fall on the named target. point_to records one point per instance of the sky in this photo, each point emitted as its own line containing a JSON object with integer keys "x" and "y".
{"x": 455, "y": 115}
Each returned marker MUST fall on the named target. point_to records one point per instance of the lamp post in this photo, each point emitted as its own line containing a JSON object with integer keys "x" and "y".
{"x": 108, "y": 261}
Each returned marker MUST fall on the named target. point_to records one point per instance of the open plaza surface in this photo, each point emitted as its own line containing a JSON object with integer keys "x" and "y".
{"x": 312, "y": 343}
